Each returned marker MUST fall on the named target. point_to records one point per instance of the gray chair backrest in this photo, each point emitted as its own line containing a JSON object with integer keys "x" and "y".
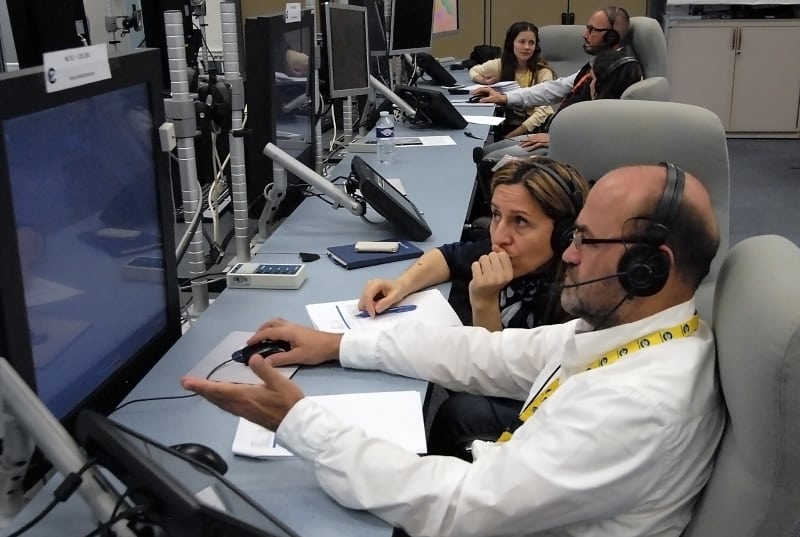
{"x": 649, "y": 89}
{"x": 754, "y": 489}
{"x": 647, "y": 39}
{"x": 598, "y": 136}
{"x": 562, "y": 47}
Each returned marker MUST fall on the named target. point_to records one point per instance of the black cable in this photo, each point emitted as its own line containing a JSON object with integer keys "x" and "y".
{"x": 103, "y": 529}
{"x": 205, "y": 44}
{"x": 168, "y": 397}
{"x": 66, "y": 489}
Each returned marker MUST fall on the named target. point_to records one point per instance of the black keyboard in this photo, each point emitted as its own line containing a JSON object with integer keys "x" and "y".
{"x": 223, "y": 202}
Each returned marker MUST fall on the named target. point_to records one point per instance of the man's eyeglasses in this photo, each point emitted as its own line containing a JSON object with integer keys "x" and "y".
{"x": 592, "y": 29}
{"x": 577, "y": 238}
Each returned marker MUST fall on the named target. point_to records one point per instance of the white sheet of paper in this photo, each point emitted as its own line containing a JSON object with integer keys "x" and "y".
{"x": 432, "y": 308}
{"x": 436, "y": 140}
{"x": 484, "y": 120}
{"x": 393, "y": 416}
{"x": 233, "y": 371}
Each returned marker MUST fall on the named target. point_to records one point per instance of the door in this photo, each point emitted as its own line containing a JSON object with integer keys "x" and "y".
{"x": 766, "y": 84}
{"x": 700, "y": 67}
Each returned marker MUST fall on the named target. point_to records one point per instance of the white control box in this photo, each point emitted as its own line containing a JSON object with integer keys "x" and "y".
{"x": 266, "y": 276}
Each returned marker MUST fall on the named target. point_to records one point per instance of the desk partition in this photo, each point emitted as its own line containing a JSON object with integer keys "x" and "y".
{"x": 440, "y": 181}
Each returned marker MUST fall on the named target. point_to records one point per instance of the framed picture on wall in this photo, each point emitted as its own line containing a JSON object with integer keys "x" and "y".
{"x": 445, "y": 16}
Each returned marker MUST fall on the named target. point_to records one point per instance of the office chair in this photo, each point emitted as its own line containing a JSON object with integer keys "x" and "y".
{"x": 598, "y": 136}
{"x": 754, "y": 488}
{"x": 562, "y": 46}
{"x": 647, "y": 40}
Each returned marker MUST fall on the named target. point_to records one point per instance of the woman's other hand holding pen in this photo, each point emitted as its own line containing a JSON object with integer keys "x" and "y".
{"x": 379, "y": 295}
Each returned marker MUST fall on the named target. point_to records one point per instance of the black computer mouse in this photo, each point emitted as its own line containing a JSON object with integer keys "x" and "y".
{"x": 265, "y": 348}
{"x": 204, "y": 455}
{"x": 475, "y": 98}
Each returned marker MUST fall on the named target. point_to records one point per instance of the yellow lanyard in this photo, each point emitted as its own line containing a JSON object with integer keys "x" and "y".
{"x": 651, "y": 340}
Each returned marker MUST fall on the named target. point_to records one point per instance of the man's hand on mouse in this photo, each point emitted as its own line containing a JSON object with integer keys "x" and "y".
{"x": 488, "y": 95}
{"x": 265, "y": 404}
{"x": 308, "y": 346}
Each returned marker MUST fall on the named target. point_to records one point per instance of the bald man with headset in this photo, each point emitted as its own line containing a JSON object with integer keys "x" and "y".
{"x": 607, "y": 29}
{"x": 623, "y": 410}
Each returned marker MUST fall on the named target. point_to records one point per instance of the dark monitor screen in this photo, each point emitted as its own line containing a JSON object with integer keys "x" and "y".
{"x": 40, "y": 26}
{"x": 389, "y": 202}
{"x": 280, "y": 100}
{"x": 89, "y": 300}
{"x": 378, "y": 46}
{"x": 432, "y": 107}
{"x": 412, "y": 26}
{"x": 186, "y": 497}
{"x": 347, "y": 47}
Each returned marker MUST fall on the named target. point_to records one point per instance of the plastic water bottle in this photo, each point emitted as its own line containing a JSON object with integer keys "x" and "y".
{"x": 384, "y": 131}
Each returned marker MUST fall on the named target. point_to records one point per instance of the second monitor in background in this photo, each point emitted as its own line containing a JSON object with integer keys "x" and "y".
{"x": 411, "y": 26}
{"x": 346, "y": 51}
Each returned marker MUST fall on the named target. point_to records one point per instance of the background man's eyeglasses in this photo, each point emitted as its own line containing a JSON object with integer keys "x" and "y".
{"x": 592, "y": 29}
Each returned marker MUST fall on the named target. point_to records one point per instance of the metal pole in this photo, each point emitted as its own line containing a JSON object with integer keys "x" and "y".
{"x": 179, "y": 110}
{"x": 230, "y": 59}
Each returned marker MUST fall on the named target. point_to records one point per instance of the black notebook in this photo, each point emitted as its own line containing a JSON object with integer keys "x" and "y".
{"x": 347, "y": 257}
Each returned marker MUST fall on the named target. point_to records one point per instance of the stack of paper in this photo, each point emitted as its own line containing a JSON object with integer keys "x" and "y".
{"x": 392, "y": 416}
{"x": 431, "y": 307}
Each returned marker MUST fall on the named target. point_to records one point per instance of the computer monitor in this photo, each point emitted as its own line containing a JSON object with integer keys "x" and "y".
{"x": 40, "y": 26}
{"x": 431, "y": 107}
{"x": 389, "y": 202}
{"x": 347, "y": 47}
{"x": 412, "y": 26}
{"x": 279, "y": 91}
{"x": 89, "y": 300}
{"x": 185, "y": 497}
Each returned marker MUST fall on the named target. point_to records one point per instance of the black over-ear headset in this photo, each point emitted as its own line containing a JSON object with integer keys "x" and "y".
{"x": 620, "y": 62}
{"x": 644, "y": 267}
{"x": 561, "y": 237}
{"x": 612, "y": 37}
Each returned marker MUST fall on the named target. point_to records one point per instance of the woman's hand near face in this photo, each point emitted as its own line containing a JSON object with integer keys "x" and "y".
{"x": 490, "y": 273}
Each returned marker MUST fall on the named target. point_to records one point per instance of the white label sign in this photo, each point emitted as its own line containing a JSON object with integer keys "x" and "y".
{"x": 73, "y": 67}
{"x": 293, "y": 12}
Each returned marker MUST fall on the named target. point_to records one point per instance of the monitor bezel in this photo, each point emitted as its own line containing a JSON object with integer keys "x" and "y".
{"x": 264, "y": 106}
{"x": 333, "y": 91}
{"x": 393, "y": 50}
{"x": 432, "y": 106}
{"x": 23, "y": 92}
{"x": 380, "y": 194}
{"x": 105, "y": 440}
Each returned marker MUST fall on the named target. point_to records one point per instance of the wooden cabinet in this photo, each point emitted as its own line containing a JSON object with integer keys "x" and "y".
{"x": 744, "y": 71}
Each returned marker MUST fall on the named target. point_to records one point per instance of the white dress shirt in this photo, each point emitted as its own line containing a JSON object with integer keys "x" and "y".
{"x": 619, "y": 451}
{"x": 548, "y": 92}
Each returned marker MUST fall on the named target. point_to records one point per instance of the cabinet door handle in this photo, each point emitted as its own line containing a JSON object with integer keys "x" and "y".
{"x": 733, "y": 41}
{"x": 563, "y": 17}
{"x": 739, "y": 42}
{"x": 572, "y": 18}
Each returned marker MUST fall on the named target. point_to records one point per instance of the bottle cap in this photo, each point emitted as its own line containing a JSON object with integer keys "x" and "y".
{"x": 384, "y": 113}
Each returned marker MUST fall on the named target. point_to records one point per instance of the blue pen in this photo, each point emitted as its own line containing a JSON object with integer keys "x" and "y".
{"x": 393, "y": 309}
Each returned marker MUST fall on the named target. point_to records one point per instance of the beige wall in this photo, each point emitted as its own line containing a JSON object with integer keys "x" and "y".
{"x": 474, "y": 23}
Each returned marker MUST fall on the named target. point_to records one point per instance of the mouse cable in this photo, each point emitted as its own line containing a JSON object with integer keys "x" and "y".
{"x": 67, "y": 487}
{"x": 167, "y": 397}
{"x": 104, "y": 529}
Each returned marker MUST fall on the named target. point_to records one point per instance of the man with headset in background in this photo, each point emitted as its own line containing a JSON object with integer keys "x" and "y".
{"x": 623, "y": 411}
{"x": 607, "y": 29}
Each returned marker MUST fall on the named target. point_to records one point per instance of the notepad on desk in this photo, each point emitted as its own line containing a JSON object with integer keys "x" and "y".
{"x": 393, "y": 416}
{"x": 347, "y": 256}
{"x": 431, "y": 307}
